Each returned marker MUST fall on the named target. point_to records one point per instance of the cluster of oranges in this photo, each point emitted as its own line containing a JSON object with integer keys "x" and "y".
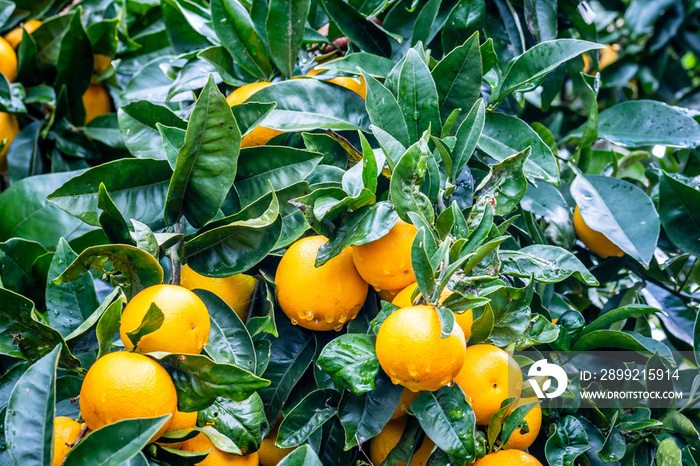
{"x": 96, "y": 98}
{"x": 127, "y": 384}
{"x": 409, "y": 344}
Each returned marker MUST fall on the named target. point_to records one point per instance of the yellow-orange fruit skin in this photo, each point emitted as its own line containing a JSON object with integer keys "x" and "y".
{"x": 389, "y": 437}
{"x": 236, "y": 290}
{"x": 9, "y": 128}
{"x": 260, "y": 135}
{"x": 65, "y": 432}
{"x": 8, "y": 60}
{"x": 96, "y": 101}
{"x": 14, "y": 37}
{"x": 520, "y": 440}
{"x": 508, "y": 458}
{"x": 216, "y": 457}
{"x": 595, "y": 240}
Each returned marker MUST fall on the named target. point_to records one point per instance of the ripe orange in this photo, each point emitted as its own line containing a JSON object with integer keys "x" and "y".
{"x": 8, "y": 130}
{"x": 201, "y": 443}
{"x": 386, "y": 263}
{"x": 595, "y": 240}
{"x": 519, "y": 440}
{"x": 8, "y": 60}
{"x": 388, "y": 438}
{"x": 126, "y": 385}
{"x": 14, "y": 37}
{"x": 411, "y": 352}
{"x": 508, "y": 458}
{"x": 65, "y": 432}
{"x": 101, "y": 63}
{"x": 407, "y": 397}
{"x": 180, "y": 420}
{"x": 464, "y": 319}
{"x": 236, "y": 290}
{"x": 270, "y": 454}
{"x": 96, "y": 101}
{"x": 489, "y": 376}
{"x": 322, "y": 298}
{"x": 260, "y": 135}
{"x": 185, "y": 327}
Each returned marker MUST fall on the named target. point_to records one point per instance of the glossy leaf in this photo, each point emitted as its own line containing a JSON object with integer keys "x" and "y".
{"x": 567, "y": 443}
{"x": 241, "y": 421}
{"x": 302, "y": 456}
{"x": 467, "y": 137}
{"x": 679, "y": 209}
{"x": 408, "y": 175}
{"x": 285, "y": 26}
{"x": 506, "y": 185}
{"x": 111, "y": 219}
{"x": 632, "y": 311}
{"x": 310, "y": 414}
{"x": 137, "y": 123}
{"x": 418, "y": 97}
{"x": 548, "y": 264}
{"x": 152, "y": 321}
{"x": 547, "y": 201}
{"x": 359, "y": 29}
{"x": 541, "y": 18}
{"x": 73, "y": 67}
{"x": 384, "y": 111}
{"x": 373, "y": 65}
{"x": 465, "y": 19}
{"x": 351, "y": 361}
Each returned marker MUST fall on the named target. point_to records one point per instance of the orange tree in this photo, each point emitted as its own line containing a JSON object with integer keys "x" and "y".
{"x": 526, "y": 170}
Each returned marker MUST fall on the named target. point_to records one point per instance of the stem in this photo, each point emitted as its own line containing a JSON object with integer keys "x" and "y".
{"x": 174, "y": 254}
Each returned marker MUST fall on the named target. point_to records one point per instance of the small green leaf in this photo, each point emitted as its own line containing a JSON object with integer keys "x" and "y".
{"x": 679, "y": 209}
{"x": 548, "y": 264}
{"x": 74, "y": 66}
{"x": 241, "y": 421}
{"x": 351, "y": 361}
{"x": 310, "y": 414}
{"x": 302, "y": 456}
{"x": 406, "y": 180}
{"x": 151, "y": 322}
{"x": 567, "y": 443}
{"x": 285, "y": 24}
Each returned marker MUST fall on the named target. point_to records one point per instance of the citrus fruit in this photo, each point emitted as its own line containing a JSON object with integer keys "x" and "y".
{"x": 508, "y": 458}
{"x": 412, "y": 353}
{"x": 519, "y": 440}
{"x": 464, "y": 319}
{"x": 8, "y": 60}
{"x": 260, "y": 135}
{"x": 96, "y": 101}
{"x": 185, "y": 327}
{"x": 407, "y": 397}
{"x": 489, "y": 377}
{"x": 201, "y": 443}
{"x": 270, "y": 454}
{"x": 14, "y": 37}
{"x": 180, "y": 420}
{"x": 595, "y": 240}
{"x": 319, "y": 298}
{"x": 65, "y": 432}
{"x": 386, "y": 263}
{"x": 101, "y": 63}
{"x": 8, "y": 130}
{"x": 388, "y": 438}
{"x": 236, "y": 290}
{"x": 126, "y": 385}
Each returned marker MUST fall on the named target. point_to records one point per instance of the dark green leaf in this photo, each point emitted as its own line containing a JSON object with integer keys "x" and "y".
{"x": 250, "y": 114}
{"x": 241, "y": 421}
{"x": 506, "y": 185}
{"x": 285, "y": 24}
{"x": 351, "y": 362}
{"x": 679, "y": 209}
{"x": 302, "y": 456}
{"x": 151, "y": 322}
{"x": 363, "y": 32}
{"x": 548, "y": 264}
{"x": 418, "y": 97}
{"x": 567, "y": 443}
{"x": 406, "y": 180}
{"x": 373, "y": 65}
{"x": 137, "y": 122}
{"x": 111, "y": 219}
{"x": 422, "y": 267}
{"x": 467, "y": 137}
{"x": 541, "y": 18}
{"x": 384, "y": 111}
{"x": 632, "y": 311}
{"x": 465, "y": 19}
{"x": 74, "y": 68}
{"x": 305, "y": 418}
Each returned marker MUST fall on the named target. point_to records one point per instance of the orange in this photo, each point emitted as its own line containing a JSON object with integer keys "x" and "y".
{"x": 595, "y": 240}
{"x": 236, "y": 290}
{"x": 520, "y": 440}
{"x": 508, "y": 458}
{"x": 96, "y": 101}
{"x": 319, "y": 298}
{"x": 269, "y": 453}
{"x": 407, "y": 397}
{"x": 260, "y": 135}
{"x": 412, "y": 353}
{"x": 8, "y": 60}
{"x": 388, "y": 438}
{"x": 489, "y": 376}
{"x": 14, "y": 37}
{"x": 65, "y": 432}
{"x": 386, "y": 263}
{"x": 201, "y": 443}
{"x": 101, "y": 63}
{"x": 126, "y": 385}
{"x": 180, "y": 420}
{"x": 8, "y": 130}
{"x": 464, "y": 319}
{"x": 606, "y": 57}
{"x": 185, "y": 327}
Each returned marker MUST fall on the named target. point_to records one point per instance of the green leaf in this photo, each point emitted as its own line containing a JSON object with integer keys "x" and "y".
{"x": 679, "y": 209}
{"x": 547, "y": 201}
{"x": 68, "y": 304}
{"x": 138, "y": 125}
{"x": 418, "y": 97}
{"x": 632, "y": 311}
{"x": 506, "y": 185}
{"x": 151, "y": 322}
{"x": 511, "y": 309}
{"x": 363, "y": 32}
{"x": 310, "y": 414}
{"x": 448, "y": 419}
{"x": 466, "y": 18}
{"x": 625, "y": 340}
{"x": 541, "y": 19}
{"x": 74, "y": 67}
{"x": 514, "y": 420}
{"x": 133, "y": 269}
{"x": 250, "y": 114}
{"x": 30, "y": 410}
{"x": 458, "y": 77}
{"x": 668, "y": 453}
{"x": 467, "y": 137}
{"x": 235, "y": 244}
{"x": 422, "y": 267}
{"x": 505, "y": 135}
{"x": 425, "y": 22}
{"x": 199, "y": 380}
{"x": 373, "y": 65}
{"x": 384, "y": 111}
{"x": 525, "y": 72}
{"x": 236, "y": 30}
{"x": 173, "y": 140}
{"x": 567, "y": 443}
{"x": 108, "y": 326}
{"x": 115, "y": 227}
{"x": 351, "y": 361}
{"x": 90, "y": 323}
{"x": 129, "y": 181}
{"x": 302, "y": 456}
{"x": 308, "y": 104}
{"x": 206, "y": 164}
{"x": 285, "y": 24}
{"x": 548, "y": 264}
{"x": 619, "y": 210}
{"x": 229, "y": 341}
{"x": 365, "y": 416}
{"x": 406, "y": 180}
{"x": 115, "y": 444}
{"x": 240, "y": 421}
